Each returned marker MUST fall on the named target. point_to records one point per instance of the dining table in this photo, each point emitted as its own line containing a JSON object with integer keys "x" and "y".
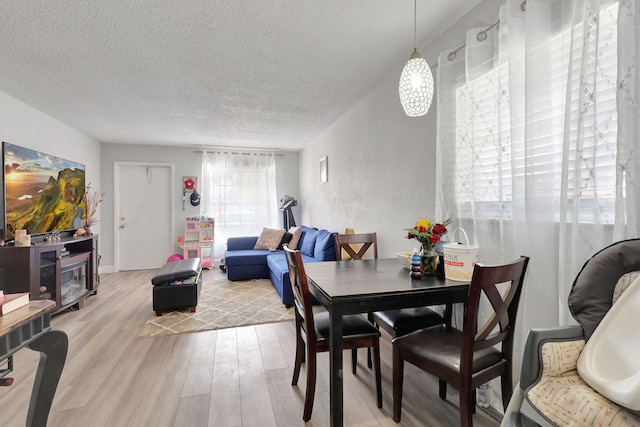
{"x": 364, "y": 286}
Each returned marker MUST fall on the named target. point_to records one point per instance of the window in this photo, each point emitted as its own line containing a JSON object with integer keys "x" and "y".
{"x": 239, "y": 192}
{"x": 567, "y": 146}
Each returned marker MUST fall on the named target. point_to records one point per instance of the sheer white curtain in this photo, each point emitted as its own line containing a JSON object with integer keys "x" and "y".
{"x": 537, "y": 141}
{"x": 239, "y": 192}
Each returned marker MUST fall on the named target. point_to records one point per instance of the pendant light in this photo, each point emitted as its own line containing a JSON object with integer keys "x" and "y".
{"x": 416, "y": 81}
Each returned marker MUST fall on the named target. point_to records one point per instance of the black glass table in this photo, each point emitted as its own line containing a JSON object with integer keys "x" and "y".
{"x": 349, "y": 287}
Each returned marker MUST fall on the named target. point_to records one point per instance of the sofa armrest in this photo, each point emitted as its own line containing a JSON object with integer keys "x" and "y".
{"x": 241, "y": 243}
{"x": 531, "y": 363}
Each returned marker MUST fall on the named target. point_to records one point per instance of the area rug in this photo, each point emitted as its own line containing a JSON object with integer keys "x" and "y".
{"x": 223, "y": 304}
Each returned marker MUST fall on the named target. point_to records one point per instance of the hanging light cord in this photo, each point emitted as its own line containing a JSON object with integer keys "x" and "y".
{"x": 415, "y": 24}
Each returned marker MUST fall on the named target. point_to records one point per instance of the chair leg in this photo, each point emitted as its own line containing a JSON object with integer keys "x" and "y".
{"x": 376, "y": 357}
{"x": 448, "y": 314}
{"x": 442, "y": 389}
{"x": 354, "y": 360}
{"x": 300, "y": 356}
{"x": 398, "y": 373}
{"x": 506, "y": 383}
{"x": 311, "y": 387}
{"x": 370, "y": 319}
{"x": 466, "y": 407}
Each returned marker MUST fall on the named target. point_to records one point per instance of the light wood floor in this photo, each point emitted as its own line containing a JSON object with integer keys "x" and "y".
{"x": 230, "y": 377}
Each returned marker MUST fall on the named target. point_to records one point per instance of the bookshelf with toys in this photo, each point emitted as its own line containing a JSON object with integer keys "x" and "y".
{"x": 198, "y": 240}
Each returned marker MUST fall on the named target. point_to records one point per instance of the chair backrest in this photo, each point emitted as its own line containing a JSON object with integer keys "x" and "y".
{"x": 348, "y": 241}
{"x": 499, "y": 328}
{"x": 300, "y": 288}
{"x": 591, "y": 294}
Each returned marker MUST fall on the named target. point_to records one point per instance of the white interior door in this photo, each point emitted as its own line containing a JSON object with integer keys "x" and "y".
{"x": 144, "y": 218}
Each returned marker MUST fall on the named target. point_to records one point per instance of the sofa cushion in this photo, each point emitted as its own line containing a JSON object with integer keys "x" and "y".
{"x": 279, "y": 275}
{"x": 308, "y": 240}
{"x": 246, "y": 257}
{"x": 325, "y": 248}
{"x": 277, "y": 261}
{"x": 241, "y": 243}
{"x": 269, "y": 239}
{"x": 296, "y": 232}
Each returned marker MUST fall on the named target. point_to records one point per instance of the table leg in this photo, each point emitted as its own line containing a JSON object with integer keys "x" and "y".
{"x": 335, "y": 385}
{"x": 52, "y": 346}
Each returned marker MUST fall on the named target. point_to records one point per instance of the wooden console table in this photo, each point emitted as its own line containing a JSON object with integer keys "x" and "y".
{"x": 30, "y": 326}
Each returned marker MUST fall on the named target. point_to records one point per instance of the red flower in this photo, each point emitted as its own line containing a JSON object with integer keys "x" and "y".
{"x": 439, "y": 229}
{"x": 434, "y": 238}
{"x": 409, "y": 236}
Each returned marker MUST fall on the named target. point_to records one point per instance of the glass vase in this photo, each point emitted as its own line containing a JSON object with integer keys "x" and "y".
{"x": 430, "y": 261}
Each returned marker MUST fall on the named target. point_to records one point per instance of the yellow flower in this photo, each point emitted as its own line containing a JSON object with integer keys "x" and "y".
{"x": 424, "y": 222}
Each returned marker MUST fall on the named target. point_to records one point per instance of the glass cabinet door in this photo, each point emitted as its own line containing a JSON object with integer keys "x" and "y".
{"x": 48, "y": 275}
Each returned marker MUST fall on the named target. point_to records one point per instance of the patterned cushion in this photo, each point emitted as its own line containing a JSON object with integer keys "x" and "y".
{"x": 269, "y": 239}
{"x": 623, "y": 284}
{"x": 564, "y": 399}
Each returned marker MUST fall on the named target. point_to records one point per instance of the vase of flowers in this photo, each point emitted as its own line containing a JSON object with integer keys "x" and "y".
{"x": 428, "y": 234}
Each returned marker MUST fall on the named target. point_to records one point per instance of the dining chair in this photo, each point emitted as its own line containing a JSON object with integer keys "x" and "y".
{"x": 355, "y": 245}
{"x": 312, "y": 333}
{"x": 395, "y": 322}
{"x": 467, "y": 358}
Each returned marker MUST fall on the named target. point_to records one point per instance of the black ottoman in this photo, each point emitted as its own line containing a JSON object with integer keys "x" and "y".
{"x": 177, "y": 285}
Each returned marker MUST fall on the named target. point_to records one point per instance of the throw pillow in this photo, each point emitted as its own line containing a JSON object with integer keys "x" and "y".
{"x": 308, "y": 240}
{"x": 325, "y": 248}
{"x": 269, "y": 239}
{"x": 285, "y": 240}
{"x": 296, "y": 232}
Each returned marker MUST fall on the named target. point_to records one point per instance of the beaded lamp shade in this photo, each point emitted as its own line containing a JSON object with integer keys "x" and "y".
{"x": 416, "y": 86}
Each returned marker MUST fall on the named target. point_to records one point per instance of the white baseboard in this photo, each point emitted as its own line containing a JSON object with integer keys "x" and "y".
{"x": 106, "y": 269}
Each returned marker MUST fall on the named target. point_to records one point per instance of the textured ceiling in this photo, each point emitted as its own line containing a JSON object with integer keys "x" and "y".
{"x": 251, "y": 74}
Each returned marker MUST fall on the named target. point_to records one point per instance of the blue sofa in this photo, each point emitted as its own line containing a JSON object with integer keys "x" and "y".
{"x": 244, "y": 263}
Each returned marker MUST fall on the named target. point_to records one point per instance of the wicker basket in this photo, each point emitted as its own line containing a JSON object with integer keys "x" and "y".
{"x": 404, "y": 258}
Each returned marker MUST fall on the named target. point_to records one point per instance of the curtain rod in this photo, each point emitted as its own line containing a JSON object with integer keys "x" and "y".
{"x": 243, "y": 153}
{"x": 481, "y": 36}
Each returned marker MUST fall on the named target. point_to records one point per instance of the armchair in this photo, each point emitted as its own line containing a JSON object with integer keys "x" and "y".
{"x": 551, "y": 391}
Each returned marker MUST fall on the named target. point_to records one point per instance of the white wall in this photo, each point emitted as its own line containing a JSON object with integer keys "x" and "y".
{"x": 187, "y": 162}
{"x": 381, "y": 162}
{"x": 21, "y": 124}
